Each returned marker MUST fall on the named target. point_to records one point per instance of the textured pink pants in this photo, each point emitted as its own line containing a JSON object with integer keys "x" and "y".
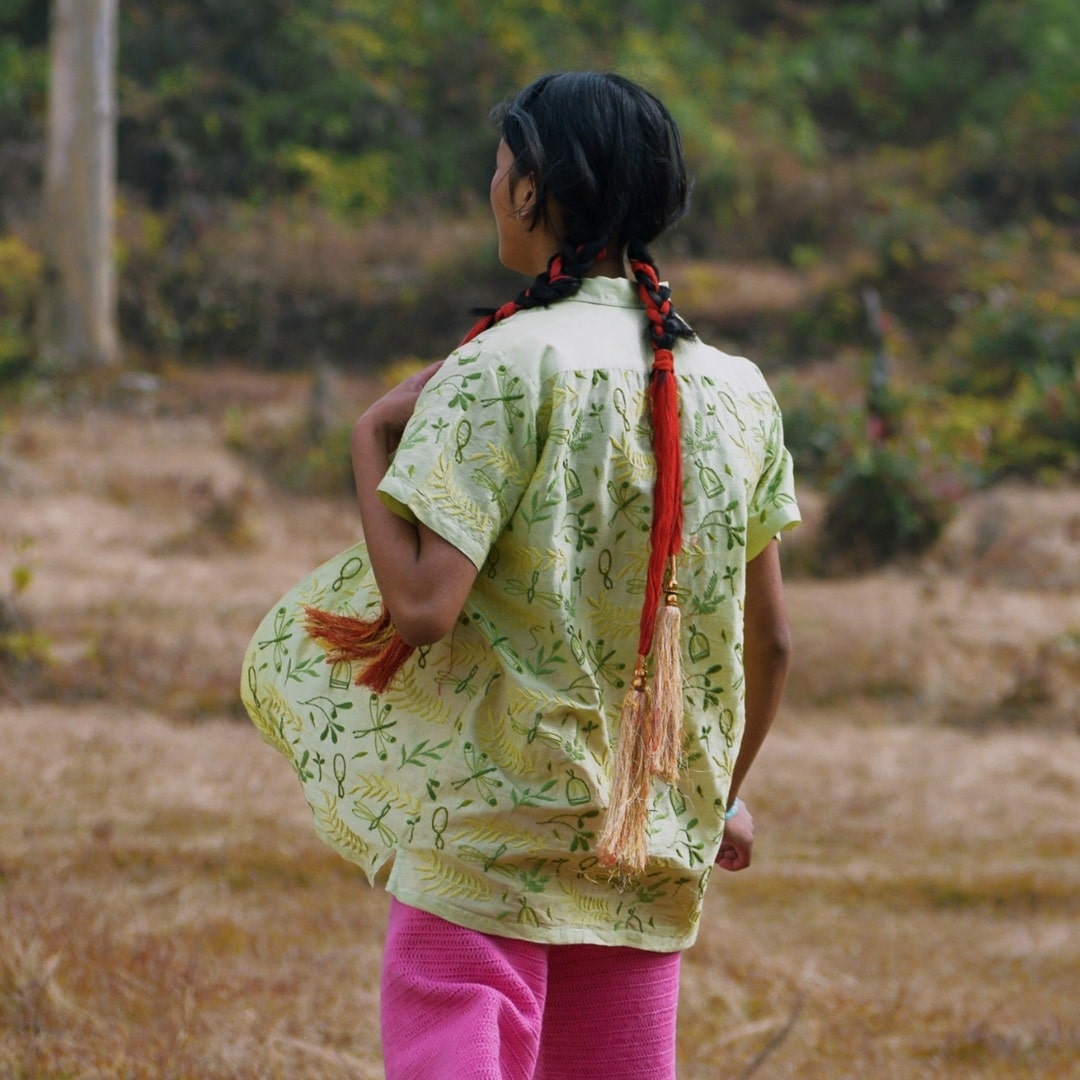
{"x": 461, "y": 1005}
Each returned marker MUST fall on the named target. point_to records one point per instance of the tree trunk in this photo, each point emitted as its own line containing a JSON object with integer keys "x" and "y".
{"x": 78, "y": 308}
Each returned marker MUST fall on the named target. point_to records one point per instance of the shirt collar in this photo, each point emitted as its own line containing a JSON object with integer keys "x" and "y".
{"x": 614, "y": 292}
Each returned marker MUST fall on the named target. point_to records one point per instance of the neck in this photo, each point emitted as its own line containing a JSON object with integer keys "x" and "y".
{"x": 609, "y": 266}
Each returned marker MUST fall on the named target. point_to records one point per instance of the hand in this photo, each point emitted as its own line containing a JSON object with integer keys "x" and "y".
{"x": 738, "y": 841}
{"x": 389, "y": 415}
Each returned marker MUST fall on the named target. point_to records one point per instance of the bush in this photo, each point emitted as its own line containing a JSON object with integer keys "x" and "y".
{"x": 819, "y": 430}
{"x": 283, "y": 283}
{"x": 1012, "y": 334}
{"x": 298, "y": 457}
{"x": 23, "y": 651}
{"x": 879, "y": 509}
{"x": 1038, "y": 435}
{"x": 20, "y": 284}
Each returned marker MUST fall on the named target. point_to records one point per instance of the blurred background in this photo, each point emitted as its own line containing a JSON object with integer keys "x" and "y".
{"x": 901, "y": 179}
{"x": 225, "y": 225}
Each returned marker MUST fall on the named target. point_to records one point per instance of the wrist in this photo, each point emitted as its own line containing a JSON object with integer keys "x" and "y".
{"x": 733, "y": 809}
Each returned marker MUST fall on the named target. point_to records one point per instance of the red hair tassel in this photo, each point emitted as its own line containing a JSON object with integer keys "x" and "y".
{"x": 373, "y": 644}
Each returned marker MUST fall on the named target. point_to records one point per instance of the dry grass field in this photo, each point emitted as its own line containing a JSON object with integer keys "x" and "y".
{"x": 166, "y": 911}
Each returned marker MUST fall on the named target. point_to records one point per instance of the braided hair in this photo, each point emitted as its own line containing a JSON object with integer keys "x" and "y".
{"x": 606, "y": 162}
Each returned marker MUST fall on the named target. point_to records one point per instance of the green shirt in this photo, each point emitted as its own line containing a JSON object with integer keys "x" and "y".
{"x": 476, "y": 785}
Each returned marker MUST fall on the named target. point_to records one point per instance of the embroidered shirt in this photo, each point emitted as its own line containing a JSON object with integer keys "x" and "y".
{"x": 476, "y": 786}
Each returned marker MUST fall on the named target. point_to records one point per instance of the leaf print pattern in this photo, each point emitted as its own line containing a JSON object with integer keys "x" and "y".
{"x": 453, "y": 500}
{"x": 450, "y": 884}
{"x": 340, "y": 835}
{"x": 495, "y": 833}
{"x": 479, "y": 780}
{"x": 380, "y": 789}
{"x": 613, "y": 621}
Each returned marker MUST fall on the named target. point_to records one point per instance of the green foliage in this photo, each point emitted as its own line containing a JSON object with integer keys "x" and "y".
{"x": 389, "y": 97}
{"x": 20, "y": 282}
{"x": 351, "y": 183}
{"x": 1016, "y": 310}
{"x": 23, "y": 65}
{"x": 297, "y": 457}
{"x": 1018, "y": 336}
{"x": 280, "y": 159}
{"x": 879, "y": 509}
{"x": 819, "y": 431}
{"x": 1038, "y": 434}
{"x": 22, "y": 649}
{"x": 914, "y": 70}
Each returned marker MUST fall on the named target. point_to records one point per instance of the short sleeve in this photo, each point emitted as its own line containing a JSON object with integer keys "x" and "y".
{"x": 469, "y": 451}
{"x": 772, "y": 507}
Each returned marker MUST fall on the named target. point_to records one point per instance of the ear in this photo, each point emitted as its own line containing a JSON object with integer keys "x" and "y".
{"x": 525, "y": 197}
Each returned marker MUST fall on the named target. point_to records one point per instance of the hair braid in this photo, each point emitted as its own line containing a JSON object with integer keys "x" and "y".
{"x": 665, "y": 327}
{"x": 562, "y": 278}
{"x": 650, "y": 736}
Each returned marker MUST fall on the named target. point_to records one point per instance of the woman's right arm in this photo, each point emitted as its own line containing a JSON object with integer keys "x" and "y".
{"x": 424, "y": 580}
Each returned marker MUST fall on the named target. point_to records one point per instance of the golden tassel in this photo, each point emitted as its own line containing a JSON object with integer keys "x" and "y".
{"x": 666, "y": 730}
{"x": 622, "y": 846}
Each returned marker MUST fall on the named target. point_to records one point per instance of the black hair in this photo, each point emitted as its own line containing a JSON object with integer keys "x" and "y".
{"x": 605, "y": 150}
{"x": 607, "y": 163}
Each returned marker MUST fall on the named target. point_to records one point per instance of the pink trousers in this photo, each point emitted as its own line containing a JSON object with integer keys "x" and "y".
{"x": 461, "y": 1005}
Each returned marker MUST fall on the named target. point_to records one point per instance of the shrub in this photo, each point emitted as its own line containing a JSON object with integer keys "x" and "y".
{"x": 23, "y": 650}
{"x": 1038, "y": 435}
{"x": 879, "y": 509}
{"x": 281, "y": 284}
{"x": 298, "y": 457}
{"x": 1012, "y": 334}
{"x": 819, "y": 429}
{"x": 20, "y": 283}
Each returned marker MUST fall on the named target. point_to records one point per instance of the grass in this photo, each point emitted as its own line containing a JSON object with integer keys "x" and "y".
{"x": 166, "y": 911}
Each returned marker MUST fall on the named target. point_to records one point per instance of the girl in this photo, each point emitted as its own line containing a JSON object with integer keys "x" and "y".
{"x": 527, "y": 704}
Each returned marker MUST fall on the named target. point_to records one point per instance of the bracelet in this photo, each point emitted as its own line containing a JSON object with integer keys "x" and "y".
{"x": 733, "y": 809}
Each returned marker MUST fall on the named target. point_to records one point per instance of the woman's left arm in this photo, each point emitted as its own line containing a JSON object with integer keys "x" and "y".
{"x": 766, "y": 655}
{"x": 423, "y": 578}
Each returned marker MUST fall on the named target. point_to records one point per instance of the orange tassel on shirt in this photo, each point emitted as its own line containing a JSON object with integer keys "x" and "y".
{"x": 373, "y": 644}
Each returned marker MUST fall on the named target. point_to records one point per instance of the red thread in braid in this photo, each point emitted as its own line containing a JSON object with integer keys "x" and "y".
{"x": 553, "y": 274}
{"x": 665, "y": 538}
{"x": 488, "y": 321}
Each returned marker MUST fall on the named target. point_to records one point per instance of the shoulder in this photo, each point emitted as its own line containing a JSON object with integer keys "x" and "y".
{"x": 696, "y": 359}
{"x": 539, "y": 343}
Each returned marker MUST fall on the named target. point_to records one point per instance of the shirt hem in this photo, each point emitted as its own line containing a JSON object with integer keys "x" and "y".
{"x": 541, "y": 935}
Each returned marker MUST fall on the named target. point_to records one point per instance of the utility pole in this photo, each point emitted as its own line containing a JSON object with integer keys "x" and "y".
{"x": 77, "y": 318}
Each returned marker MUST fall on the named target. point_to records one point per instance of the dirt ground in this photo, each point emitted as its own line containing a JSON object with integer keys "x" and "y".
{"x": 166, "y": 911}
